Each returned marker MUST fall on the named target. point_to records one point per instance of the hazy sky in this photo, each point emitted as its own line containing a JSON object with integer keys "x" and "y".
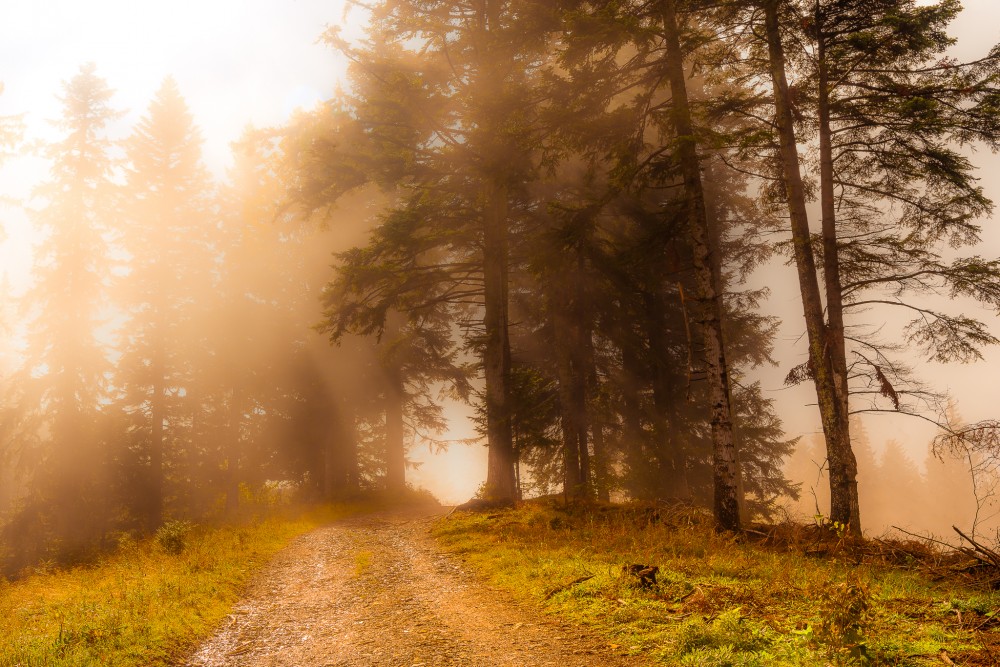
{"x": 254, "y": 61}
{"x": 974, "y": 386}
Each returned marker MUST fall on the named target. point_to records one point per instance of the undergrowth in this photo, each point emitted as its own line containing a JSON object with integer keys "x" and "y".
{"x": 719, "y": 600}
{"x": 149, "y": 602}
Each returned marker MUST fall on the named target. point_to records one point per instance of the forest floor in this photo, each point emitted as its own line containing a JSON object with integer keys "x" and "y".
{"x": 379, "y": 590}
{"x": 549, "y": 584}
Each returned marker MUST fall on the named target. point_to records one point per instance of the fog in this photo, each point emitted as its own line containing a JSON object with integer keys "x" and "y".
{"x": 236, "y": 264}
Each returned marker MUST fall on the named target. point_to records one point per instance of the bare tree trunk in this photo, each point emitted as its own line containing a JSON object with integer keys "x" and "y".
{"x": 726, "y": 472}
{"x": 395, "y": 447}
{"x": 668, "y": 449}
{"x": 582, "y": 372}
{"x": 157, "y": 411}
{"x": 572, "y": 418}
{"x": 572, "y": 477}
{"x": 569, "y": 320}
{"x": 233, "y": 454}
{"x": 632, "y": 431}
{"x": 500, "y": 482}
{"x": 843, "y": 467}
{"x": 395, "y": 399}
{"x": 599, "y": 463}
{"x": 602, "y": 481}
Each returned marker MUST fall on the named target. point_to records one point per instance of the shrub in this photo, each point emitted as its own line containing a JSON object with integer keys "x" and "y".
{"x": 172, "y": 536}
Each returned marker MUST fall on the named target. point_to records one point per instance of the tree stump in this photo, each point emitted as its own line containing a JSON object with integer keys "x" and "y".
{"x": 645, "y": 574}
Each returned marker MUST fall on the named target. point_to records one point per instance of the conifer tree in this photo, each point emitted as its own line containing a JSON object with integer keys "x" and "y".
{"x": 63, "y": 384}
{"x": 888, "y": 112}
{"x": 636, "y": 78}
{"x": 166, "y": 236}
{"x": 450, "y": 128}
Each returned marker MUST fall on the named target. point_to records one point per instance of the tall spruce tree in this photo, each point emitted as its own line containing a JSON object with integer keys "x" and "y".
{"x": 166, "y": 238}
{"x": 441, "y": 96}
{"x": 888, "y": 112}
{"x": 632, "y": 59}
{"x": 63, "y": 383}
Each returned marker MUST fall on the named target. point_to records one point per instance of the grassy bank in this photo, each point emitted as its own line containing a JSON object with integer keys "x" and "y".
{"x": 143, "y": 604}
{"x": 802, "y": 598}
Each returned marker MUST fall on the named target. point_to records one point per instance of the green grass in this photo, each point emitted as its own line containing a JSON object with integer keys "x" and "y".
{"x": 142, "y": 605}
{"x": 720, "y": 601}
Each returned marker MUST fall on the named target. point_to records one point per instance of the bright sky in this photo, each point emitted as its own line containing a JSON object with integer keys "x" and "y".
{"x": 241, "y": 62}
{"x": 237, "y": 62}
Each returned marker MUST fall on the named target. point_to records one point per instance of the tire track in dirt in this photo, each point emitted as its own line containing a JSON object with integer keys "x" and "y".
{"x": 375, "y": 590}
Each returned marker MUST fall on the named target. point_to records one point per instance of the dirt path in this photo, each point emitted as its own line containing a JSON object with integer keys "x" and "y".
{"x": 375, "y": 590}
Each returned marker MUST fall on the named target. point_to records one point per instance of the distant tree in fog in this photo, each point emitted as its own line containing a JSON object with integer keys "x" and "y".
{"x": 900, "y": 496}
{"x": 57, "y": 438}
{"x": 282, "y": 404}
{"x": 165, "y": 235}
{"x": 11, "y": 134}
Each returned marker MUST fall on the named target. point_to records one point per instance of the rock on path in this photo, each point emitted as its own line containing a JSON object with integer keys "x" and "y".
{"x": 375, "y": 590}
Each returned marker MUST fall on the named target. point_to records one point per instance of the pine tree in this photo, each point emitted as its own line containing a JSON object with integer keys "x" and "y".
{"x": 449, "y": 128}
{"x": 888, "y": 112}
{"x": 63, "y": 383}
{"x": 644, "y": 120}
{"x": 166, "y": 237}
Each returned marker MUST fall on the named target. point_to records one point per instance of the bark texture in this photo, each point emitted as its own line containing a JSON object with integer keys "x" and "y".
{"x": 500, "y": 481}
{"x": 843, "y": 465}
{"x": 727, "y": 501}
{"x": 843, "y": 487}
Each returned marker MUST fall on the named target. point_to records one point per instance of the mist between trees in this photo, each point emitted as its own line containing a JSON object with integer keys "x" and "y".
{"x": 547, "y": 209}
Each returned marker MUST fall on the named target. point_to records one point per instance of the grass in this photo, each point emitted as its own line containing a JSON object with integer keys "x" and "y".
{"x": 362, "y": 561}
{"x": 150, "y": 602}
{"x": 720, "y": 601}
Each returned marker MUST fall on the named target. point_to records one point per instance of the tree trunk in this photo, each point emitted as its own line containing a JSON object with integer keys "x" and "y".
{"x": 574, "y": 481}
{"x": 568, "y": 321}
{"x": 233, "y": 454}
{"x": 583, "y": 370}
{"x": 667, "y": 449}
{"x": 395, "y": 447}
{"x": 572, "y": 477}
{"x": 602, "y": 481}
{"x": 632, "y": 431}
{"x": 500, "y": 482}
{"x": 395, "y": 398}
{"x": 157, "y": 411}
{"x": 726, "y": 473}
{"x": 843, "y": 467}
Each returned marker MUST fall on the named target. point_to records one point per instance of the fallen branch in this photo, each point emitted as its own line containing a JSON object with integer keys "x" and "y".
{"x": 925, "y": 538}
{"x": 978, "y": 551}
{"x": 560, "y": 589}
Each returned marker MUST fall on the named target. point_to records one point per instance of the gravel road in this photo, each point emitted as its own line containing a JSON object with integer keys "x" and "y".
{"x": 375, "y": 590}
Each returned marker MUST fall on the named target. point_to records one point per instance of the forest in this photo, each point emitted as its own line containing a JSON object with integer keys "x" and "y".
{"x": 547, "y": 210}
